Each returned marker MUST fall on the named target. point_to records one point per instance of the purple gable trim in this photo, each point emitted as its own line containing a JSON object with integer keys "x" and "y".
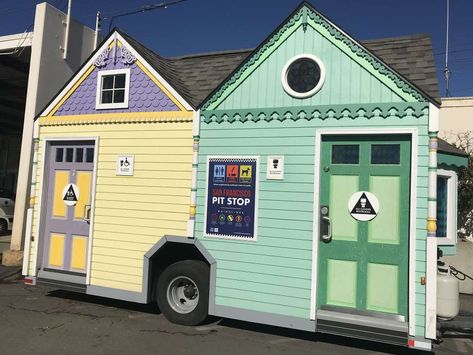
{"x": 145, "y": 95}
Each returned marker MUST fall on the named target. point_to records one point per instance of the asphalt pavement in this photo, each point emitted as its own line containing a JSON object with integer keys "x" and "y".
{"x": 37, "y": 320}
{"x": 4, "y": 242}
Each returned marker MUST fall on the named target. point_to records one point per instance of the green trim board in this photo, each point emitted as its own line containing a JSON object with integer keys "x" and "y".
{"x": 365, "y": 265}
{"x": 304, "y": 17}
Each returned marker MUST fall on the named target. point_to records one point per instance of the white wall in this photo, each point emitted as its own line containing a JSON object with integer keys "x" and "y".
{"x": 48, "y": 73}
{"x": 456, "y": 116}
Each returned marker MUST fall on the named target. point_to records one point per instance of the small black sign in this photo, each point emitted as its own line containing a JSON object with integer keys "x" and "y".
{"x": 363, "y": 206}
{"x": 70, "y": 195}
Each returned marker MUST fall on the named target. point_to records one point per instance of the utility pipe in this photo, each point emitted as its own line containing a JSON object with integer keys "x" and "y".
{"x": 195, "y": 165}
{"x": 68, "y": 25}
{"x": 97, "y": 30}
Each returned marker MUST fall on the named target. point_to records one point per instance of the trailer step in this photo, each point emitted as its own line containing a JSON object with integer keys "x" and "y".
{"x": 61, "y": 285}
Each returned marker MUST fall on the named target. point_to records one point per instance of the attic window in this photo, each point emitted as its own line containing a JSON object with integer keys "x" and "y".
{"x": 113, "y": 89}
{"x": 303, "y": 76}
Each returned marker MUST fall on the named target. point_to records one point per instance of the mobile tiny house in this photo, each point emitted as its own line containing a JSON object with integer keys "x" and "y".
{"x": 310, "y": 173}
{"x": 112, "y": 172}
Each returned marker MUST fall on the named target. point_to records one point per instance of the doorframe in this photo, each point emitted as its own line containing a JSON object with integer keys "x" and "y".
{"x": 413, "y": 132}
{"x": 42, "y": 199}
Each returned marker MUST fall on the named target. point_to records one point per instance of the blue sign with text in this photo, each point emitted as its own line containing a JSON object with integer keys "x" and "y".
{"x": 231, "y": 198}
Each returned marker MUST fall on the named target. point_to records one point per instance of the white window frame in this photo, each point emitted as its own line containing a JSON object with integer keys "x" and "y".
{"x": 452, "y": 187}
{"x": 303, "y": 95}
{"x": 98, "y": 104}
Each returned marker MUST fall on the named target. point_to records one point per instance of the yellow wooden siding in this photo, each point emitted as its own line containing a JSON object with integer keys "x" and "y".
{"x": 132, "y": 213}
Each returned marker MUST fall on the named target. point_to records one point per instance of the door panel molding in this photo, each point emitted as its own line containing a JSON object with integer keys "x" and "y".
{"x": 413, "y": 133}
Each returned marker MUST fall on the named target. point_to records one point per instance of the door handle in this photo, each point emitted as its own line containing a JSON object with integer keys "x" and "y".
{"x": 328, "y": 236}
{"x": 86, "y": 215}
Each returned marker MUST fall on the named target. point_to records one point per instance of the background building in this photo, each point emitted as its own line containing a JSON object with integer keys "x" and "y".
{"x": 33, "y": 66}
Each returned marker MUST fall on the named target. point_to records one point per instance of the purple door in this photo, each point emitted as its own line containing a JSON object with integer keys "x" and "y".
{"x": 69, "y": 172}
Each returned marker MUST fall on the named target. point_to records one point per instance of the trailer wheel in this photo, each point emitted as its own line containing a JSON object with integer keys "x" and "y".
{"x": 3, "y": 227}
{"x": 183, "y": 292}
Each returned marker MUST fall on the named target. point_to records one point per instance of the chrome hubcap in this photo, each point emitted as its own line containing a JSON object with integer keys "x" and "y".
{"x": 182, "y": 295}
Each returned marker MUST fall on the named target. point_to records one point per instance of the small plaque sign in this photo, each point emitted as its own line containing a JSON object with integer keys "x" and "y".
{"x": 275, "y": 168}
{"x": 125, "y": 165}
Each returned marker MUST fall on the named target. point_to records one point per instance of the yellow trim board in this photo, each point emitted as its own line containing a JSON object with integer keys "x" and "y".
{"x": 71, "y": 90}
{"x": 123, "y": 117}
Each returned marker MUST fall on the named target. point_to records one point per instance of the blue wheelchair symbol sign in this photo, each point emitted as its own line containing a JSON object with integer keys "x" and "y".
{"x": 219, "y": 173}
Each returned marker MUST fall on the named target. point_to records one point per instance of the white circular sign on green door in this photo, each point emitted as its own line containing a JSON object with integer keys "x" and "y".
{"x": 70, "y": 194}
{"x": 363, "y": 206}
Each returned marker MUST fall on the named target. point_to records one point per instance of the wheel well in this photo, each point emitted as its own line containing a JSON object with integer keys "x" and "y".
{"x": 168, "y": 254}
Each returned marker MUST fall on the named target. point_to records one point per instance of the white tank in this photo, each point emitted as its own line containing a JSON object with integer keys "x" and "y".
{"x": 448, "y": 294}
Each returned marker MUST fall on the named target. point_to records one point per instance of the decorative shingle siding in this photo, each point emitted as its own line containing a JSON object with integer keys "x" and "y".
{"x": 145, "y": 95}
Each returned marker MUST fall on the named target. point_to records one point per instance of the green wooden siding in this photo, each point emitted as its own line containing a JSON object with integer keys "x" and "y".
{"x": 250, "y": 114}
{"x": 346, "y": 81}
{"x": 273, "y": 274}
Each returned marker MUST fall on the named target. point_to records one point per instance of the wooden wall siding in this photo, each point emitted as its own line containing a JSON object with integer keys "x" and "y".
{"x": 273, "y": 274}
{"x": 132, "y": 213}
{"x": 346, "y": 81}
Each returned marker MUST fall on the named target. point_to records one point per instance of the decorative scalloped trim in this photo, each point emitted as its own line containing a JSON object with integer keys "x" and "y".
{"x": 319, "y": 113}
{"x": 80, "y": 120}
{"x": 354, "y": 47}
{"x": 103, "y": 58}
{"x": 126, "y": 56}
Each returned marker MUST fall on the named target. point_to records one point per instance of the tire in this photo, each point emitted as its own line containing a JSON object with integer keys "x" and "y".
{"x": 183, "y": 292}
{"x": 3, "y": 227}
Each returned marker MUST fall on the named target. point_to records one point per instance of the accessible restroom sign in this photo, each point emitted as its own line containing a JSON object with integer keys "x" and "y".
{"x": 231, "y": 197}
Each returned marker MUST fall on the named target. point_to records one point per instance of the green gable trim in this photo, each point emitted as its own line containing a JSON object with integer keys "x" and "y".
{"x": 358, "y": 53}
{"x": 259, "y": 56}
{"x": 370, "y": 111}
{"x": 307, "y": 16}
{"x": 451, "y": 161}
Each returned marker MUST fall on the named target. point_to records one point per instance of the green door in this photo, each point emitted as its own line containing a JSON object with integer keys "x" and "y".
{"x": 364, "y": 265}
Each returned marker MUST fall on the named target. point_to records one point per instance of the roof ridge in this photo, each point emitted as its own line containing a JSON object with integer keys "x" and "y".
{"x": 208, "y": 54}
{"x": 403, "y": 37}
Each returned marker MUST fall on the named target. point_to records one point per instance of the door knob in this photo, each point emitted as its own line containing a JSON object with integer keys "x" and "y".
{"x": 86, "y": 215}
{"x": 325, "y": 225}
{"x": 327, "y": 237}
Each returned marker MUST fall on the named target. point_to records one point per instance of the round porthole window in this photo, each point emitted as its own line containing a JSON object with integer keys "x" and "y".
{"x": 303, "y": 76}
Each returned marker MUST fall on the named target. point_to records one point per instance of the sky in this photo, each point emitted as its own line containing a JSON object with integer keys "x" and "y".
{"x": 198, "y": 26}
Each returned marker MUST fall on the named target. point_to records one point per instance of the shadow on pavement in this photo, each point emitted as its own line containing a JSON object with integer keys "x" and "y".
{"x": 320, "y": 337}
{"x": 81, "y": 297}
{"x": 253, "y": 327}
